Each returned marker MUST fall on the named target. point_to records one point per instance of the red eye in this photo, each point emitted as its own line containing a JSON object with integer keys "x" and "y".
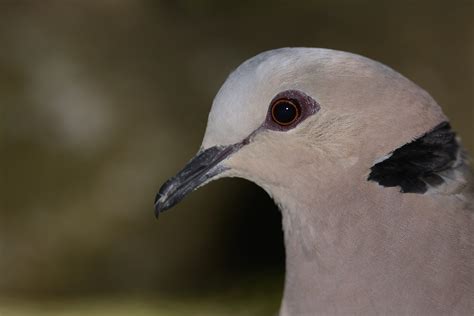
{"x": 288, "y": 109}
{"x": 285, "y": 111}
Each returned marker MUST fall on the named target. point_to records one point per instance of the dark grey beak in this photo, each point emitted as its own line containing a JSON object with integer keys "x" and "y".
{"x": 201, "y": 168}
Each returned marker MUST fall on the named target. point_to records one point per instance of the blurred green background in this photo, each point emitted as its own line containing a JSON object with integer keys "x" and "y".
{"x": 102, "y": 101}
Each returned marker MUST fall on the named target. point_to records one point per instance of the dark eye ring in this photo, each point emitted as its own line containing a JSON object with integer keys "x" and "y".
{"x": 285, "y": 111}
{"x": 288, "y": 109}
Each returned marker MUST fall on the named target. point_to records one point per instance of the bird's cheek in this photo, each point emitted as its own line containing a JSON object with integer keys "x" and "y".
{"x": 252, "y": 165}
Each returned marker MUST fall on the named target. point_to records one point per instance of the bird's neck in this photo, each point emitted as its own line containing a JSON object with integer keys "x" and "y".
{"x": 348, "y": 248}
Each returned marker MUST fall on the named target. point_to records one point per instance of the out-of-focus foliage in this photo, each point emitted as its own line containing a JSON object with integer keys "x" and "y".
{"x": 259, "y": 299}
{"x": 101, "y": 101}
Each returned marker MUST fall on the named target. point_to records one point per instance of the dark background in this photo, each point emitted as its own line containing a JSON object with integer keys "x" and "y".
{"x": 102, "y": 101}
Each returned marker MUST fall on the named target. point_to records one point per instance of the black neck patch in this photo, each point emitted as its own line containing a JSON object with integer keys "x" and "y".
{"x": 417, "y": 164}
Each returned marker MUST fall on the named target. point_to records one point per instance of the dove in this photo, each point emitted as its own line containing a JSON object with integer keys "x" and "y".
{"x": 373, "y": 184}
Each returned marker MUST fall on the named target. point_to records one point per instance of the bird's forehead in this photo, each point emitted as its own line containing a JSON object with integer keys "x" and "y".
{"x": 241, "y": 104}
{"x": 237, "y": 109}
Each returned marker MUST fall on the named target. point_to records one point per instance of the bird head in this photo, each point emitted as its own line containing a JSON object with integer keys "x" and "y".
{"x": 304, "y": 117}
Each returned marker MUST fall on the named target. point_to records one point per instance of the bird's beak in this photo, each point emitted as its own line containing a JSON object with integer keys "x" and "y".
{"x": 202, "y": 168}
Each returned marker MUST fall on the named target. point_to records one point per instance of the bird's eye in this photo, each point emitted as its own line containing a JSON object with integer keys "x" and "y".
{"x": 288, "y": 109}
{"x": 285, "y": 111}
